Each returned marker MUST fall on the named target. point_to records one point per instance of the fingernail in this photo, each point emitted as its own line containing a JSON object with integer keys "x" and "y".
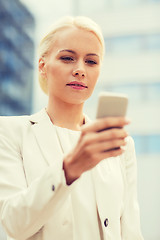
{"x": 127, "y": 120}
{"x": 123, "y": 148}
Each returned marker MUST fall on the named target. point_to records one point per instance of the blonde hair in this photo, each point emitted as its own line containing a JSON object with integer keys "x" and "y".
{"x": 47, "y": 41}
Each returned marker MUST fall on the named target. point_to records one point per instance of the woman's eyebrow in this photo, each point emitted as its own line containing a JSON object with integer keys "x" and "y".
{"x": 71, "y": 51}
{"x": 67, "y": 50}
{"x": 92, "y": 54}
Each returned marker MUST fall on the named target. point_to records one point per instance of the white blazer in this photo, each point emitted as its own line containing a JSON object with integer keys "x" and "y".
{"x": 33, "y": 192}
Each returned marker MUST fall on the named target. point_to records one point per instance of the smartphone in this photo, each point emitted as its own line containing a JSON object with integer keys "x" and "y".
{"x": 112, "y": 105}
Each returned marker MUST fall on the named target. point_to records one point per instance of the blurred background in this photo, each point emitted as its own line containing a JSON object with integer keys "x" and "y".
{"x": 131, "y": 31}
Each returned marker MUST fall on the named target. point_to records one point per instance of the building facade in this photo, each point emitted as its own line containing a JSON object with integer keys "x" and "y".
{"x": 16, "y": 58}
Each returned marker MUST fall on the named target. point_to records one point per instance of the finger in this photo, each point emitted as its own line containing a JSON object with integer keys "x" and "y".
{"x": 105, "y": 146}
{"x": 105, "y": 123}
{"x": 114, "y": 133}
{"x": 99, "y": 137}
{"x": 98, "y": 157}
{"x": 111, "y": 153}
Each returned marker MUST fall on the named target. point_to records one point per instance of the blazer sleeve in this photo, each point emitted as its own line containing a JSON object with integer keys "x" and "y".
{"x": 24, "y": 210}
{"x": 130, "y": 219}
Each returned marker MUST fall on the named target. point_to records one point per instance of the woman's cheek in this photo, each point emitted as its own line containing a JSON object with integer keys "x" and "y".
{"x": 94, "y": 78}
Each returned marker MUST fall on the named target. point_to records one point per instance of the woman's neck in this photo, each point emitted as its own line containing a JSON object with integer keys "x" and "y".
{"x": 66, "y": 115}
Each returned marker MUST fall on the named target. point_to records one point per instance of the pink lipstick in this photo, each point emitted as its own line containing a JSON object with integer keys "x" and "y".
{"x": 77, "y": 85}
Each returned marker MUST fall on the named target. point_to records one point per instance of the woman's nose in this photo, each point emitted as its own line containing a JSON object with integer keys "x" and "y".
{"x": 79, "y": 73}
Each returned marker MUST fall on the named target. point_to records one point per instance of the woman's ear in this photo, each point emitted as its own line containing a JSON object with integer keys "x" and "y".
{"x": 42, "y": 67}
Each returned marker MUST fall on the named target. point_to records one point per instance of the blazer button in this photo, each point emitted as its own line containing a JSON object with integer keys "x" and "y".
{"x": 53, "y": 188}
{"x": 106, "y": 222}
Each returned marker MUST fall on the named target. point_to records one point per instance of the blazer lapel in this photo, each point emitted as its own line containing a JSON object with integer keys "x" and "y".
{"x": 46, "y": 136}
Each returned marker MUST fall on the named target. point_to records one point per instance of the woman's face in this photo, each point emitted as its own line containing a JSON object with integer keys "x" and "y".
{"x": 73, "y": 65}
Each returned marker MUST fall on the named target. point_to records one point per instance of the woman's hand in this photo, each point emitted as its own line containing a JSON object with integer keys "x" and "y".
{"x": 100, "y": 139}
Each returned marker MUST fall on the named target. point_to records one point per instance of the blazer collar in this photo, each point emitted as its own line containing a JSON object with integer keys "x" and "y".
{"x": 39, "y": 116}
{"x": 46, "y": 137}
{"x": 42, "y": 115}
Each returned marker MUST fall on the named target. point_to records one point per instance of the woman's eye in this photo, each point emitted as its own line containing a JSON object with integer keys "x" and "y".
{"x": 91, "y": 62}
{"x": 67, "y": 59}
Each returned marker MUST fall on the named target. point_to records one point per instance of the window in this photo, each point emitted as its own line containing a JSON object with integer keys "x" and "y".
{"x": 153, "y": 1}
{"x": 16, "y": 51}
{"x": 19, "y": 40}
{"x": 132, "y": 44}
{"x": 153, "y": 41}
{"x": 147, "y": 144}
{"x": 154, "y": 91}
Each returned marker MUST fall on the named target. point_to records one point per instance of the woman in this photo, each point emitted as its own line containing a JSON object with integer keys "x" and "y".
{"x": 54, "y": 181}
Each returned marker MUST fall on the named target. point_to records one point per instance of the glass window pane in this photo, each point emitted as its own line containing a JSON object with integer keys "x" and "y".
{"x": 153, "y": 41}
{"x": 147, "y": 144}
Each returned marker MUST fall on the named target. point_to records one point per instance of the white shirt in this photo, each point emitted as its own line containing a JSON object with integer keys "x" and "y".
{"x": 84, "y": 207}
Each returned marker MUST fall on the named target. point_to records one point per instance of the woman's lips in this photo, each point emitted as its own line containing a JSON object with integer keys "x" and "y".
{"x": 77, "y": 85}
